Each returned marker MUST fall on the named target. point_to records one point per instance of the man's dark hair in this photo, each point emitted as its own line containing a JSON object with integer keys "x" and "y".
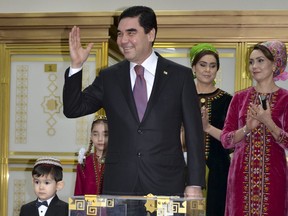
{"x": 45, "y": 169}
{"x": 147, "y": 17}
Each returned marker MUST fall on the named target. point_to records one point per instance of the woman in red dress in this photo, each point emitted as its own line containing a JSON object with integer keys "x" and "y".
{"x": 90, "y": 169}
{"x": 256, "y": 127}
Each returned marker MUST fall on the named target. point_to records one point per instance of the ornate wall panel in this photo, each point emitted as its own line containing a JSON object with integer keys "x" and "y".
{"x": 37, "y": 126}
{"x": 34, "y": 54}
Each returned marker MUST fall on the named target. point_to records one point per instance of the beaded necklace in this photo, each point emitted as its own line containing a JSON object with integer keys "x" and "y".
{"x": 99, "y": 165}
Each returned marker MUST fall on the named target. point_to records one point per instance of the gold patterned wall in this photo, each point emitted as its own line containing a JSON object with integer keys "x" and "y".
{"x": 34, "y": 54}
{"x": 37, "y": 126}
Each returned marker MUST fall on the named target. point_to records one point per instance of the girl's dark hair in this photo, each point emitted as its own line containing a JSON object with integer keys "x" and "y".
{"x": 96, "y": 121}
{"x": 45, "y": 169}
{"x": 206, "y": 52}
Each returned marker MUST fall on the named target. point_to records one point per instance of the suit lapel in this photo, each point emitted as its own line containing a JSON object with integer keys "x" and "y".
{"x": 51, "y": 209}
{"x": 161, "y": 77}
{"x": 125, "y": 83}
{"x": 34, "y": 210}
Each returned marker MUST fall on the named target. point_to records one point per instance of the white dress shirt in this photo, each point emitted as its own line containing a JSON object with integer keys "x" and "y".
{"x": 42, "y": 209}
{"x": 149, "y": 65}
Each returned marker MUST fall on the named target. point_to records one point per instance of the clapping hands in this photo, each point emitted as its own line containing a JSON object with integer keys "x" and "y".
{"x": 257, "y": 114}
{"x": 205, "y": 118}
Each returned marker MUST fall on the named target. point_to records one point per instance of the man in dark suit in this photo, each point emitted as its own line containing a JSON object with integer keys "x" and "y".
{"x": 47, "y": 175}
{"x": 144, "y": 152}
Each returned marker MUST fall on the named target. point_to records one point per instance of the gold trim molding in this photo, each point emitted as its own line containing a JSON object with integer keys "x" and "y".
{"x": 221, "y": 26}
{"x": 174, "y": 26}
{"x": 53, "y": 27}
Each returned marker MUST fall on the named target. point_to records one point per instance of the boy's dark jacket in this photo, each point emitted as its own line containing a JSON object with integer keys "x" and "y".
{"x": 56, "y": 207}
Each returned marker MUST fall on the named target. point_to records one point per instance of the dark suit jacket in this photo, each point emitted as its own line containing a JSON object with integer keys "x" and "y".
{"x": 149, "y": 150}
{"x": 56, "y": 207}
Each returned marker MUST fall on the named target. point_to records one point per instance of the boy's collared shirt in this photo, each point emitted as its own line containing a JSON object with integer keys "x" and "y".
{"x": 42, "y": 209}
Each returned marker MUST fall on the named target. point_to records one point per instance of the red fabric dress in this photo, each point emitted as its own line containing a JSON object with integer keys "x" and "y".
{"x": 89, "y": 178}
{"x": 257, "y": 180}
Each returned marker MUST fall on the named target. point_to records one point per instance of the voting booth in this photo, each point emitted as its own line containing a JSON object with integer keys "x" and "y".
{"x": 104, "y": 205}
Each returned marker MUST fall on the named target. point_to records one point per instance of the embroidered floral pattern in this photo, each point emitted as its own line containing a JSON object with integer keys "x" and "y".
{"x": 206, "y": 100}
{"x": 256, "y": 185}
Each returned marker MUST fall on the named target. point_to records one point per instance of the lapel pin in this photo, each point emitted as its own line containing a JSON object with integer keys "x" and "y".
{"x": 165, "y": 72}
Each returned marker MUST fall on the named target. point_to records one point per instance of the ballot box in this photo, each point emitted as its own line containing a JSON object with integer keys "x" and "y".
{"x": 150, "y": 205}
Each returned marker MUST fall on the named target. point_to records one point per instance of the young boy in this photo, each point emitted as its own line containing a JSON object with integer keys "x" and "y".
{"x": 47, "y": 177}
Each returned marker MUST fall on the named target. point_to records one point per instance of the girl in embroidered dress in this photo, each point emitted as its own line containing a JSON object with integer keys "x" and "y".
{"x": 256, "y": 126}
{"x": 214, "y": 104}
{"x": 90, "y": 169}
